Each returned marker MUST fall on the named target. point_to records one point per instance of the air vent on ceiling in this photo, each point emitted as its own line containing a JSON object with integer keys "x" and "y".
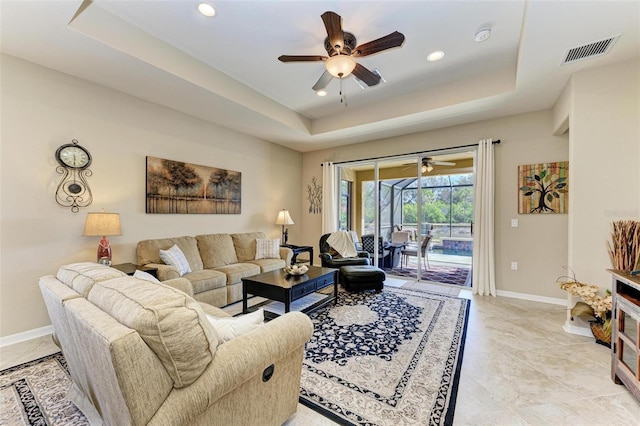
{"x": 597, "y": 48}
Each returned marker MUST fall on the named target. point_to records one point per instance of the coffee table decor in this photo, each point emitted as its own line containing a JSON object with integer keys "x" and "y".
{"x": 296, "y": 269}
{"x": 387, "y": 358}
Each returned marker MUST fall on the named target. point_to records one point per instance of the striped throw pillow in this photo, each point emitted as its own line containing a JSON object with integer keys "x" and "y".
{"x": 267, "y": 249}
{"x": 174, "y": 257}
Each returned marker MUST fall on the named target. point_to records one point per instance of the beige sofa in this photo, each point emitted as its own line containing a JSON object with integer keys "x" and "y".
{"x": 143, "y": 353}
{"x": 218, "y": 263}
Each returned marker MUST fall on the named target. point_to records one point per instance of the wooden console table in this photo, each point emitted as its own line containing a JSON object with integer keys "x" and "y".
{"x": 625, "y": 333}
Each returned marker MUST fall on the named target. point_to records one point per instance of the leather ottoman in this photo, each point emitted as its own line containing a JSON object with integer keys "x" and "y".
{"x": 362, "y": 277}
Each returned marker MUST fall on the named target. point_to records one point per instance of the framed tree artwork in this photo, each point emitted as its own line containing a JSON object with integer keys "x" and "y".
{"x": 185, "y": 188}
{"x": 543, "y": 188}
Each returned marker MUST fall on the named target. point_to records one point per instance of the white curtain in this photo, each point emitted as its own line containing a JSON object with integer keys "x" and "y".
{"x": 329, "y": 208}
{"x": 484, "y": 276}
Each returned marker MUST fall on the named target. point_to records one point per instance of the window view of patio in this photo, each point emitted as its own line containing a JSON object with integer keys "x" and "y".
{"x": 442, "y": 237}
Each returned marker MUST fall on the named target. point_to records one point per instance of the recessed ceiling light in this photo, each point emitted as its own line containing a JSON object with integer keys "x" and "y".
{"x": 206, "y": 9}
{"x": 482, "y": 34}
{"x": 321, "y": 92}
{"x": 435, "y": 56}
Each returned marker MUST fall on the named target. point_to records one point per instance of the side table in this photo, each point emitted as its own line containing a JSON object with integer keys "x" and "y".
{"x": 130, "y": 269}
{"x": 299, "y": 249}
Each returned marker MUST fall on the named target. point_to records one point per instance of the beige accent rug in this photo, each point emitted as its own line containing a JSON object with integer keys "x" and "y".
{"x": 34, "y": 393}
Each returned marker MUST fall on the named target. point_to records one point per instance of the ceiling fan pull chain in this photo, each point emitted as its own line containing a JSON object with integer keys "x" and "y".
{"x": 343, "y": 96}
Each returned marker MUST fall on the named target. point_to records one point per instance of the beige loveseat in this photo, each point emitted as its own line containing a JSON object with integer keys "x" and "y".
{"x": 144, "y": 353}
{"x": 218, "y": 263}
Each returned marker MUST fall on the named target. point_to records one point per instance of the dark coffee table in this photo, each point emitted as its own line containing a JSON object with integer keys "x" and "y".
{"x": 278, "y": 286}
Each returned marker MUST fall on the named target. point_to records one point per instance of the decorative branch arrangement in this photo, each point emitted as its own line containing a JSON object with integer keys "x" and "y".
{"x": 624, "y": 247}
{"x": 314, "y": 195}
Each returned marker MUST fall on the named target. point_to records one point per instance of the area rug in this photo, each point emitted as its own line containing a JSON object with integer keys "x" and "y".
{"x": 34, "y": 393}
{"x": 437, "y": 273}
{"x": 386, "y": 358}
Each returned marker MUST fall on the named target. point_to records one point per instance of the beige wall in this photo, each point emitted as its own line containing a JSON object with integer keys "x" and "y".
{"x": 43, "y": 109}
{"x": 604, "y": 155}
{"x": 539, "y": 244}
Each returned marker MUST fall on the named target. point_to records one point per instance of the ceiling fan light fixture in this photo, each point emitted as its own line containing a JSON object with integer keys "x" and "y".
{"x": 206, "y": 9}
{"x": 427, "y": 168}
{"x": 321, "y": 92}
{"x": 435, "y": 56}
{"x": 340, "y": 66}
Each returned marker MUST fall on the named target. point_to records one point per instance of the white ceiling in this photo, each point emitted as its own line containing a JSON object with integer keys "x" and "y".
{"x": 225, "y": 69}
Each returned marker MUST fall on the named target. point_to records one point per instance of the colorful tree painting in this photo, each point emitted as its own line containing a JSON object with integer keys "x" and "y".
{"x": 543, "y": 188}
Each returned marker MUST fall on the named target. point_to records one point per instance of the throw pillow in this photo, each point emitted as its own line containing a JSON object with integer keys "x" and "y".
{"x": 232, "y": 327}
{"x": 267, "y": 249}
{"x": 174, "y": 257}
{"x": 145, "y": 276}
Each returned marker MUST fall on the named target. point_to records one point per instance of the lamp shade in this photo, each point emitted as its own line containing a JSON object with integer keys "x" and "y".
{"x": 284, "y": 218}
{"x": 102, "y": 224}
{"x": 340, "y": 66}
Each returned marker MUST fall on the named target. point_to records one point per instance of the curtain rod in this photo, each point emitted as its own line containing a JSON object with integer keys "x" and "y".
{"x": 473, "y": 145}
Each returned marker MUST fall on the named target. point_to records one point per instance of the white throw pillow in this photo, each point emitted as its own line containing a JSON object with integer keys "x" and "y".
{"x": 232, "y": 327}
{"x": 174, "y": 257}
{"x": 267, "y": 249}
{"x": 145, "y": 276}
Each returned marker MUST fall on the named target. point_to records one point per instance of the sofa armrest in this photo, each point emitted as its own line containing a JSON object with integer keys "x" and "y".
{"x": 362, "y": 253}
{"x": 181, "y": 284}
{"x": 165, "y": 272}
{"x": 286, "y": 254}
{"x": 236, "y": 362}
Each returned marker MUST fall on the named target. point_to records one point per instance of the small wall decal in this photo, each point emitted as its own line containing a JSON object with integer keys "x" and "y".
{"x": 314, "y": 195}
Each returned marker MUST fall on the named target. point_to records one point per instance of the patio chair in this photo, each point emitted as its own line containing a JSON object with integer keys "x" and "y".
{"x": 413, "y": 251}
{"x": 368, "y": 246}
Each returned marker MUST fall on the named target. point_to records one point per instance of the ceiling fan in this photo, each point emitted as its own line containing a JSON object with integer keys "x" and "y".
{"x": 428, "y": 163}
{"x": 342, "y": 50}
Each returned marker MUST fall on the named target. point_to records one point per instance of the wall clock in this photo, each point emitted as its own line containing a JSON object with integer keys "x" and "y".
{"x": 73, "y": 188}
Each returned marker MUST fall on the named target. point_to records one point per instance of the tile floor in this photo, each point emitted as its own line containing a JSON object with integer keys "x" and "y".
{"x": 519, "y": 368}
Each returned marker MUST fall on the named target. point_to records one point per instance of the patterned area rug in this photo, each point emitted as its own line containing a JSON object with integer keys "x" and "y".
{"x": 386, "y": 358}
{"x": 437, "y": 273}
{"x": 34, "y": 393}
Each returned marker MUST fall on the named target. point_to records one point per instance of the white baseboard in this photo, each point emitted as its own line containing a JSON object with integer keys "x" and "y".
{"x": 532, "y": 297}
{"x": 26, "y": 335}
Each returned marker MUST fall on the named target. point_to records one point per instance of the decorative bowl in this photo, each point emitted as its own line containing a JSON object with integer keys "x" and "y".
{"x": 296, "y": 269}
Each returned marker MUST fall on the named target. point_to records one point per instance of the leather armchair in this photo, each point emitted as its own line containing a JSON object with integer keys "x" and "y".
{"x": 330, "y": 261}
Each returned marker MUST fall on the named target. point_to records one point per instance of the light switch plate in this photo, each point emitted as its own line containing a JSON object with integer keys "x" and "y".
{"x": 514, "y": 223}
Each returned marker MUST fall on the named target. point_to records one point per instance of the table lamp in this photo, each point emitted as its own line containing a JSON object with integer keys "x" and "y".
{"x": 284, "y": 218}
{"x": 102, "y": 224}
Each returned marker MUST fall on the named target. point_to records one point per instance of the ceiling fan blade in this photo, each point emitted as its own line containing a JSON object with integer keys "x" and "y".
{"x": 442, "y": 163}
{"x": 301, "y": 58}
{"x": 323, "y": 81}
{"x": 395, "y": 39}
{"x": 365, "y": 75}
{"x": 333, "y": 24}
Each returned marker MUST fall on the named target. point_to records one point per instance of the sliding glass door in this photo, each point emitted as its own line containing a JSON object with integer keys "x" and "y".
{"x": 406, "y": 209}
